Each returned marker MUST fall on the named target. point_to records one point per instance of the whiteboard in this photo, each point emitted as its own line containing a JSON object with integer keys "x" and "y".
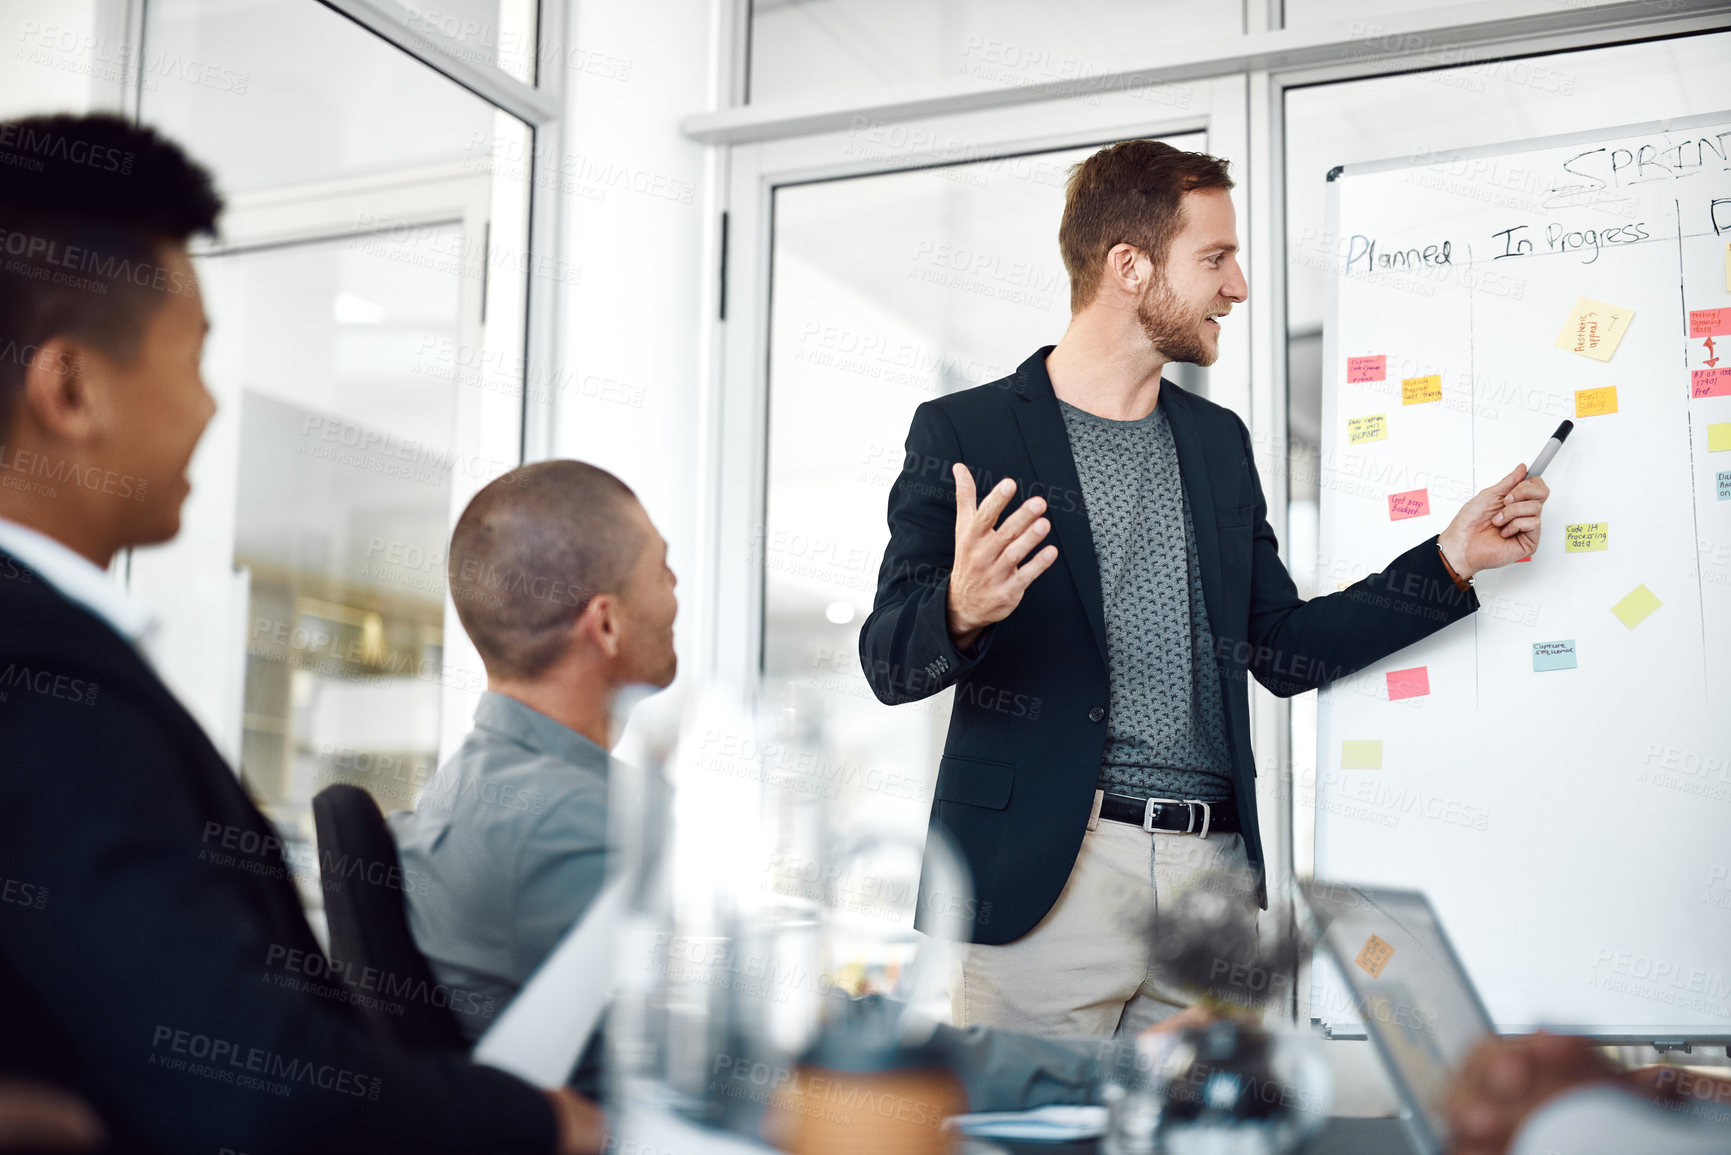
{"x": 1572, "y": 825}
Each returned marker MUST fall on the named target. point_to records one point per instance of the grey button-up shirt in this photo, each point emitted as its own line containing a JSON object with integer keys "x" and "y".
{"x": 511, "y": 837}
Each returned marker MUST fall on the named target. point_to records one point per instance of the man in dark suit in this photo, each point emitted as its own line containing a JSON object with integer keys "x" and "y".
{"x": 144, "y": 894}
{"x": 1134, "y": 776}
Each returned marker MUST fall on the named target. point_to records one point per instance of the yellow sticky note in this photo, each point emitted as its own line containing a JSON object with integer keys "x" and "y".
{"x": 1418, "y": 390}
{"x": 1728, "y": 266}
{"x": 1634, "y": 608}
{"x": 1362, "y": 429}
{"x": 1594, "y": 328}
{"x": 1588, "y": 537}
{"x": 1719, "y": 437}
{"x": 1595, "y": 402}
{"x": 1361, "y": 754}
{"x": 1374, "y": 956}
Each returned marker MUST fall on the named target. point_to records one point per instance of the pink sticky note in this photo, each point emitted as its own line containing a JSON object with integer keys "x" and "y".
{"x": 1710, "y": 323}
{"x": 1412, "y": 503}
{"x": 1362, "y": 369}
{"x": 1710, "y": 382}
{"x": 1413, "y": 683}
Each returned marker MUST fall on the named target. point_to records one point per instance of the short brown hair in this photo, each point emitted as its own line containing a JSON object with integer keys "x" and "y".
{"x": 1128, "y": 193}
{"x": 528, "y": 554}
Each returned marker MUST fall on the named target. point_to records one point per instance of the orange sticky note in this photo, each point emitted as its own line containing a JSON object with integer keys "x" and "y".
{"x": 1412, "y": 503}
{"x": 1413, "y": 683}
{"x": 1595, "y": 402}
{"x": 1362, "y": 369}
{"x": 1374, "y": 956}
{"x": 1418, "y": 390}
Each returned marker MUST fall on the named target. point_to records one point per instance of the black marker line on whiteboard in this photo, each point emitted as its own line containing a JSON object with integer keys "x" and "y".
{"x": 1689, "y": 440}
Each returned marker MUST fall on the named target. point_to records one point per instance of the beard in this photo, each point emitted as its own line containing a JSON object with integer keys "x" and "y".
{"x": 1174, "y": 328}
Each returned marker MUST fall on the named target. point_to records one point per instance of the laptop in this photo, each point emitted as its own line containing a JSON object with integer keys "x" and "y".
{"x": 1418, "y": 1006}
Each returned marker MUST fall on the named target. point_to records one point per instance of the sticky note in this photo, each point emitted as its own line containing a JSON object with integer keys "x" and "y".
{"x": 1710, "y": 323}
{"x": 1374, "y": 956}
{"x": 1362, "y": 369}
{"x": 1553, "y": 655}
{"x": 1710, "y": 382}
{"x": 1728, "y": 266}
{"x": 1589, "y": 537}
{"x": 1719, "y": 437}
{"x": 1724, "y": 480}
{"x": 1594, "y": 328}
{"x": 1418, "y": 390}
{"x": 1361, "y": 754}
{"x": 1634, "y": 608}
{"x": 1595, "y": 402}
{"x": 1412, "y": 503}
{"x": 1413, "y": 683}
{"x": 1362, "y": 429}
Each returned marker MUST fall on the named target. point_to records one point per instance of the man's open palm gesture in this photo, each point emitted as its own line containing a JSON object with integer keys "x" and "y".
{"x": 988, "y": 578}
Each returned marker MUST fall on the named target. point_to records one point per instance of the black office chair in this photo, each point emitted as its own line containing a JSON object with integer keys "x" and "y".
{"x": 369, "y": 923}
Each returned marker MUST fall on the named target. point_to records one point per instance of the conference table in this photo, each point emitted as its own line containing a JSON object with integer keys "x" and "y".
{"x": 1342, "y": 1136}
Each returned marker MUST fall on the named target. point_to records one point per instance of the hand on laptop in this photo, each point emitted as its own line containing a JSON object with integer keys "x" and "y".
{"x": 582, "y": 1126}
{"x": 1507, "y": 1079}
{"x": 1201, "y": 1016}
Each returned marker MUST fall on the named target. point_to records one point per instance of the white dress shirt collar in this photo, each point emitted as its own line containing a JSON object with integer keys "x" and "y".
{"x": 77, "y": 579}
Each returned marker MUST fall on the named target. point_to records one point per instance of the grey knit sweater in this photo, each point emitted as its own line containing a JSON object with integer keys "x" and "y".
{"x": 1166, "y": 732}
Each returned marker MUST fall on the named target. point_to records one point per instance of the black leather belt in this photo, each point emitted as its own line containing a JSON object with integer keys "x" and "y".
{"x": 1182, "y": 816}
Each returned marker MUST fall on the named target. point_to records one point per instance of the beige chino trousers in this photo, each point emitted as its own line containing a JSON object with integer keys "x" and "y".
{"x": 1084, "y": 970}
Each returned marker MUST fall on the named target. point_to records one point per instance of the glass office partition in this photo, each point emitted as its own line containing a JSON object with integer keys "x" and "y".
{"x": 368, "y": 307}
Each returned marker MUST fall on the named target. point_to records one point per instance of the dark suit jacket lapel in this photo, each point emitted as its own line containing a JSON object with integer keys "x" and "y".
{"x": 1055, "y": 471}
{"x": 1193, "y": 469}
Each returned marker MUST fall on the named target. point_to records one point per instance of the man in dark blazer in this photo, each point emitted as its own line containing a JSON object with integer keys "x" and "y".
{"x": 143, "y": 897}
{"x": 1100, "y": 635}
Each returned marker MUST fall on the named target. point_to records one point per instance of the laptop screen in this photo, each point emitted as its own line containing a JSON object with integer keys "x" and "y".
{"x": 1415, "y": 999}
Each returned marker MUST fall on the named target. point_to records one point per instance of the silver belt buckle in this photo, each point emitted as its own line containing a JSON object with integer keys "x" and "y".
{"x": 1207, "y": 814}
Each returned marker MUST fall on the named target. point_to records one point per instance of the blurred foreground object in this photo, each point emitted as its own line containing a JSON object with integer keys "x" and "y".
{"x": 35, "y": 1117}
{"x": 1212, "y": 1077}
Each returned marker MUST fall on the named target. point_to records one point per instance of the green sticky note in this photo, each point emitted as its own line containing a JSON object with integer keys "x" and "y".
{"x": 1553, "y": 655}
{"x": 1361, "y": 754}
{"x": 1635, "y": 607}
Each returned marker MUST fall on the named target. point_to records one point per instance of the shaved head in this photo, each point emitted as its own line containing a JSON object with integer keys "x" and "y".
{"x": 531, "y": 550}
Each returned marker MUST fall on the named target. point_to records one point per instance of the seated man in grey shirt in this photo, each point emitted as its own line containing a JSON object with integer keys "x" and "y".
{"x": 561, "y": 581}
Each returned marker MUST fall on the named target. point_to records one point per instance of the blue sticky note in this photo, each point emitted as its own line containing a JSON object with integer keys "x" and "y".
{"x": 1725, "y": 485}
{"x": 1553, "y": 655}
